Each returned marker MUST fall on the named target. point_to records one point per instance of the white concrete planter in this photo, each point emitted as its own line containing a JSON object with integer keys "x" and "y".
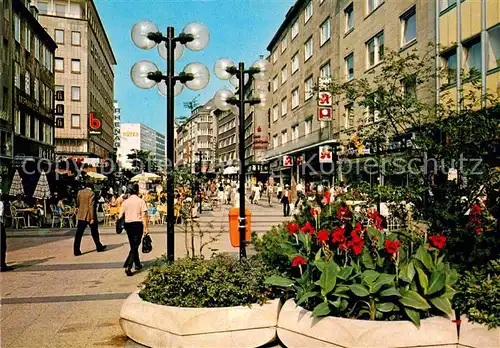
{"x": 296, "y": 328}
{"x": 164, "y": 326}
{"x": 477, "y": 335}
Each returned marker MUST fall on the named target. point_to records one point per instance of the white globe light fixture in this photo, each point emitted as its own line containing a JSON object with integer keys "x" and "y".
{"x": 162, "y": 88}
{"x": 264, "y": 68}
{"x": 140, "y": 73}
{"x": 200, "y": 74}
{"x": 221, "y": 99}
{"x": 221, "y": 66}
{"x": 178, "y": 51}
{"x": 140, "y": 32}
{"x": 200, "y": 34}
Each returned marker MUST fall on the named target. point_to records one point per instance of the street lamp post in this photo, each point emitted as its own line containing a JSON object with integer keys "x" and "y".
{"x": 195, "y": 76}
{"x": 224, "y": 100}
{"x": 200, "y": 157}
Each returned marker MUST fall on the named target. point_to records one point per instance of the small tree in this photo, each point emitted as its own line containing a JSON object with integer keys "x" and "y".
{"x": 143, "y": 160}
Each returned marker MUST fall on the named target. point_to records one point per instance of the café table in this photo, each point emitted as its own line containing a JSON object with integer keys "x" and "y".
{"x": 27, "y": 212}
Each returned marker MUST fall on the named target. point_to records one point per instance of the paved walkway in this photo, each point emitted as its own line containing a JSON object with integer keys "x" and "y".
{"x": 53, "y": 299}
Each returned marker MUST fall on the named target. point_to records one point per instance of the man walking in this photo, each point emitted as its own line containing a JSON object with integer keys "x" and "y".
{"x": 3, "y": 241}
{"x": 285, "y": 200}
{"x": 87, "y": 215}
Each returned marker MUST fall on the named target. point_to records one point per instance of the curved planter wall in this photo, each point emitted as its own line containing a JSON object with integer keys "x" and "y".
{"x": 477, "y": 335}
{"x": 296, "y": 328}
{"x": 164, "y": 326}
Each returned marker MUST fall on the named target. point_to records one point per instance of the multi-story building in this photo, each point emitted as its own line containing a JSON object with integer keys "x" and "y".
{"x": 196, "y": 137}
{"x": 341, "y": 40}
{"x": 84, "y": 78}
{"x": 227, "y": 141}
{"x": 136, "y": 136}
{"x": 27, "y": 122}
{"x": 116, "y": 125}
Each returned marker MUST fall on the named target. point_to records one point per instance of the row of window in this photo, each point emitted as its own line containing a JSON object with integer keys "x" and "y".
{"x": 308, "y": 93}
{"x": 59, "y": 37}
{"x": 33, "y": 87}
{"x": 227, "y": 126}
{"x": 31, "y": 127}
{"x": 60, "y": 8}
{"x": 295, "y": 133}
{"x": 76, "y": 66}
{"x": 97, "y": 81}
{"x": 228, "y": 141}
{"x": 227, "y": 157}
{"x": 75, "y": 92}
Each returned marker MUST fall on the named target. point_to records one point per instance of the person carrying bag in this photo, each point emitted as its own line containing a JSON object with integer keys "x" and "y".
{"x": 135, "y": 213}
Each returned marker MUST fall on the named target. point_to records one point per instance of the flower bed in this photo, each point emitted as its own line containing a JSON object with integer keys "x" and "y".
{"x": 165, "y": 326}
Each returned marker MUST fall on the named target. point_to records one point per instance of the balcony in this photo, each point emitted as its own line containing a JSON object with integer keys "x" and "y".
{"x": 310, "y": 139}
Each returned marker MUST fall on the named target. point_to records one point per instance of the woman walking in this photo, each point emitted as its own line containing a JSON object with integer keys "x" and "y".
{"x": 136, "y": 225}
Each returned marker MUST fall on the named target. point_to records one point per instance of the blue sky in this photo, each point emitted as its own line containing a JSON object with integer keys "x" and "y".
{"x": 240, "y": 30}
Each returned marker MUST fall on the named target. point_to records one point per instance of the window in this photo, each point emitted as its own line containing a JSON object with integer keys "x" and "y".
{"x": 275, "y": 140}
{"x": 295, "y": 29}
{"x": 37, "y": 48}
{"x": 27, "y": 38}
{"x": 75, "y": 38}
{"x": 473, "y": 56}
{"x": 349, "y": 17}
{"x": 308, "y": 88}
{"x": 17, "y": 122}
{"x": 408, "y": 27}
{"x": 450, "y": 64}
{"x": 444, "y": 4}
{"x": 5, "y": 143}
{"x": 295, "y": 132}
{"x": 59, "y": 64}
{"x": 275, "y": 83}
{"x": 275, "y": 56}
{"x": 75, "y": 121}
{"x": 349, "y": 67}
{"x": 75, "y": 93}
{"x": 348, "y": 115}
{"x": 494, "y": 49}
{"x": 295, "y": 62}
{"x": 59, "y": 36}
{"x": 308, "y": 49}
{"x": 43, "y": 7}
{"x": 284, "y": 74}
{"x": 409, "y": 86}
{"x": 284, "y": 137}
{"x": 375, "y": 49}
{"x": 295, "y": 98}
{"x": 284, "y": 44}
{"x": 284, "y": 106}
{"x": 75, "y": 66}
{"x": 60, "y": 9}
{"x": 36, "y": 89}
{"x": 275, "y": 113}
{"x": 17, "y": 75}
{"x": 308, "y": 127}
{"x": 325, "y": 71}
{"x": 17, "y": 28}
{"x": 36, "y": 129}
{"x": 371, "y": 113}
{"x": 325, "y": 32}
{"x": 27, "y": 83}
{"x": 308, "y": 12}
{"x": 27, "y": 125}
{"x": 372, "y": 5}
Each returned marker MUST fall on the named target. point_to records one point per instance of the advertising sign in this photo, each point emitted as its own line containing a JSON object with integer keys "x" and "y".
{"x": 325, "y": 154}
{"x": 287, "y": 161}
{"x": 95, "y": 124}
{"x": 324, "y": 99}
{"x": 324, "y": 114}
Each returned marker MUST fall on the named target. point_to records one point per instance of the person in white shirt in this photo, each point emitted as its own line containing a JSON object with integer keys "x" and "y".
{"x": 3, "y": 241}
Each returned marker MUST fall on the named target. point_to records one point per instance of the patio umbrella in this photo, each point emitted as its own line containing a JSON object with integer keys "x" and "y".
{"x": 96, "y": 176}
{"x": 145, "y": 177}
{"x": 17, "y": 186}
{"x": 42, "y": 191}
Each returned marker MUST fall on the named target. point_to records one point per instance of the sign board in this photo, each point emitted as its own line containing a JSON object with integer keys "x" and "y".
{"x": 59, "y": 109}
{"x": 324, "y": 82}
{"x": 324, "y": 99}
{"x": 325, "y": 154}
{"x": 325, "y": 114}
{"x": 59, "y": 121}
{"x": 287, "y": 161}
{"x": 95, "y": 124}
{"x": 60, "y": 95}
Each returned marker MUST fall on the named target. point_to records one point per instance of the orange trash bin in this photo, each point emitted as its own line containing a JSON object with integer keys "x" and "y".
{"x": 234, "y": 233}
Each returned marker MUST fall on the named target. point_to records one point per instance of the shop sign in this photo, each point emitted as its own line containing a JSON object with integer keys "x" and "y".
{"x": 60, "y": 95}
{"x": 95, "y": 124}
{"x": 325, "y": 154}
{"x": 59, "y": 109}
{"x": 287, "y": 161}
{"x": 324, "y": 114}
{"x": 59, "y": 121}
{"x": 46, "y": 153}
{"x": 324, "y": 99}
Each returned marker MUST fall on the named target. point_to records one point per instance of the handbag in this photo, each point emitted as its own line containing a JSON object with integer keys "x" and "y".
{"x": 147, "y": 244}
{"x": 120, "y": 224}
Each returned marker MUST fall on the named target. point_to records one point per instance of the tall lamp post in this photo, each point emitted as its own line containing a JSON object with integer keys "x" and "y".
{"x": 225, "y": 100}
{"x": 200, "y": 157}
{"x": 195, "y": 76}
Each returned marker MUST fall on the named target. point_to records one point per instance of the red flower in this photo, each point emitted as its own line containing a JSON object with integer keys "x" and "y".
{"x": 314, "y": 212}
{"x": 356, "y": 244}
{"x": 475, "y": 209}
{"x": 307, "y": 228}
{"x": 438, "y": 241}
{"x": 323, "y": 235}
{"x": 376, "y": 218}
{"x": 343, "y": 246}
{"x": 358, "y": 228}
{"x": 478, "y": 230}
{"x": 392, "y": 246}
{"x": 338, "y": 235}
{"x": 326, "y": 197}
{"x": 343, "y": 213}
{"x": 292, "y": 228}
{"x": 298, "y": 260}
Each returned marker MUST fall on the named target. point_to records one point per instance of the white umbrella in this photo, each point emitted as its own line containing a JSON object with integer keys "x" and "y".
{"x": 96, "y": 176}
{"x": 17, "y": 186}
{"x": 145, "y": 177}
{"x": 42, "y": 190}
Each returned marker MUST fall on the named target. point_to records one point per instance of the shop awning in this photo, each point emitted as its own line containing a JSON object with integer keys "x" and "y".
{"x": 231, "y": 170}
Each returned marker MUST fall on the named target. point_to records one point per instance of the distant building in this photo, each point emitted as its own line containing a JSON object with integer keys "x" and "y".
{"x": 84, "y": 66}
{"x": 136, "y": 136}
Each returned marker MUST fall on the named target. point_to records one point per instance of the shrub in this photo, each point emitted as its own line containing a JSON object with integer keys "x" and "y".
{"x": 268, "y": 248}
{"x": 479, "y": 291}
{"x": 221, "y": 281}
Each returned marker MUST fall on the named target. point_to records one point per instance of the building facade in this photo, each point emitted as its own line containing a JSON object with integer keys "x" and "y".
{"x": 27, "y": 116}
{"x": 136, "y": 136}
{"x": 338, "y": 40}
{"x": 197, "y": 138}
{"x": 84, "y": 78}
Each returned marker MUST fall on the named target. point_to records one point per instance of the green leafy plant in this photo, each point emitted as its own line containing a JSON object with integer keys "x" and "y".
{"x": 354, "y": 269}
{"x": 478, "y": 294}
{"x": 221, "y": 281}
